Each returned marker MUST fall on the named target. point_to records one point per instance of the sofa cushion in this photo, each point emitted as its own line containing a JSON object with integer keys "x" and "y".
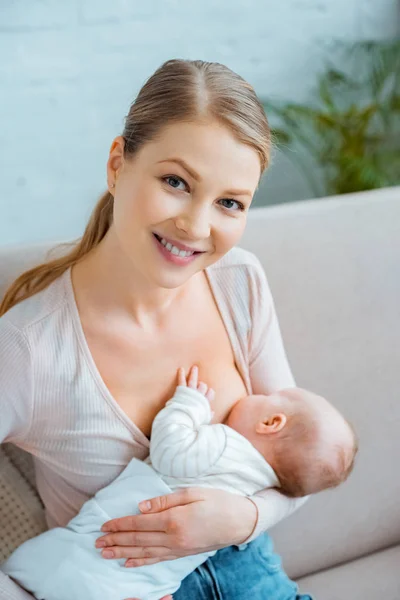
{"x": 21, "y": 511}
{"x": 373, "y": 577}
{"x": 16, "y": 259}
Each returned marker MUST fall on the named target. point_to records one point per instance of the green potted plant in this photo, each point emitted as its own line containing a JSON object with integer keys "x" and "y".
{"x": 351, "y": 128}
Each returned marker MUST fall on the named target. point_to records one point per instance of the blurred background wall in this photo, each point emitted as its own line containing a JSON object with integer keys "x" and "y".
{"x": 70, "y": 69}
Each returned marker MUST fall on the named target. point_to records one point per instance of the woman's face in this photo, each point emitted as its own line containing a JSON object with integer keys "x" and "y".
{"x": 181, "y": 202}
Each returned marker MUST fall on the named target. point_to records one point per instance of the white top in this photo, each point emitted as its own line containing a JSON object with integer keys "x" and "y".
{"x": 55, "y": 405}
{"x": 186, "y": 450}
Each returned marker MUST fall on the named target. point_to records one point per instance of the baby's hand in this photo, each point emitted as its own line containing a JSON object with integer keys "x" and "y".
{"x": 194, "y": 383}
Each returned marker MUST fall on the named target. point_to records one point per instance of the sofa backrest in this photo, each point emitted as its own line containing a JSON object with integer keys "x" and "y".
{"x": 15, "y": 259}
{"x": 334, "y": 269}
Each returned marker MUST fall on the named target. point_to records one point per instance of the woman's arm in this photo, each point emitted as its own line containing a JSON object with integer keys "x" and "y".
{"x": 16, "y": 383}
{"x": 9, "y": 590}
{"x": 187, "y": 522}
{"x": 268, "y": 364}
{"x": 16, "y": 408}
{"x": 269, "y": 371}
{"x": 15, "y": 411}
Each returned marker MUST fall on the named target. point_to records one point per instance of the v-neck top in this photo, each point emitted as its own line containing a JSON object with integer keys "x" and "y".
{"x": 55, "y": 405}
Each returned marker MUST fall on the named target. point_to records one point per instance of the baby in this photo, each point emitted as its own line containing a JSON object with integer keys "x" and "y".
{"x": 292, "y": 439}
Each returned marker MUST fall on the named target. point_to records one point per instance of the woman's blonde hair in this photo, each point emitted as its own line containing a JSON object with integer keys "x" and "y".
{"x": 179, "y": 90}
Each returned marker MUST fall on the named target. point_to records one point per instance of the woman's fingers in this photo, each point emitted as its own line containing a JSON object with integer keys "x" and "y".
{"x": 157, "y": 522}
{"x": 163, "y": 503}
{"x": 154, "y": 553}
{"x": 131, "y": 538}
{"x": 141, "y": 562}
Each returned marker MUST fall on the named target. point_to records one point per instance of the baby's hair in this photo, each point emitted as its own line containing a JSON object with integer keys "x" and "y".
{"x": 328, "y": 474}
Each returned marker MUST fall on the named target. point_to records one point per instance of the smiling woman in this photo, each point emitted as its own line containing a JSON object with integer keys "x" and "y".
{"x": 181, "y": 200}
{"x": 90, "y": 344}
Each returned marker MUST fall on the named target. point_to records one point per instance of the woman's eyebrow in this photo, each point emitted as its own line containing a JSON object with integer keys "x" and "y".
{"x": 197, "y": 177}
{"x": 183, "y": 164}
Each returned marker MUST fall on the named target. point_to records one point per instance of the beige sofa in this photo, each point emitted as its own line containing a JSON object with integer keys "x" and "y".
{"x": 334, "y": 268}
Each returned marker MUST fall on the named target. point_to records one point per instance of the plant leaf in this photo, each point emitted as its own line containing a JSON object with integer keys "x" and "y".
{"x": 280, "y": 136}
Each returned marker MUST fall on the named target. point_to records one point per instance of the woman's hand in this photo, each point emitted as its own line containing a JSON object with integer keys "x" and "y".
{"x": 189, "y": 521}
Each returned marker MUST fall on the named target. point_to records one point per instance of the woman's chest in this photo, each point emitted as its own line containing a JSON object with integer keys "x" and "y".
{"x": 140, "y": 370}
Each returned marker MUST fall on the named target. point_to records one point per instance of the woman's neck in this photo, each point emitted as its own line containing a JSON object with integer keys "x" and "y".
{"x": 109, "y": 284}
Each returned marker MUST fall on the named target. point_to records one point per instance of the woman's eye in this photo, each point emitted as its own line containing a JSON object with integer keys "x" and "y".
{"x": 232, "y": 205}
{"x": 174, "y": 182}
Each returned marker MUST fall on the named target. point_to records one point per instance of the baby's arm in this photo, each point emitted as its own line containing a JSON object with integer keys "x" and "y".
{"x": 183, "y": 443}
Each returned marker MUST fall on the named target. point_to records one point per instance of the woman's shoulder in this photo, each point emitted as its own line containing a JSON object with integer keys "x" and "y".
{"x": 239, "y": 269}
{"x": 34, "y": 309}
{"x": 238, "y": 259}
{"x": 28, "y": 333}
{"x": 240, "y": 285}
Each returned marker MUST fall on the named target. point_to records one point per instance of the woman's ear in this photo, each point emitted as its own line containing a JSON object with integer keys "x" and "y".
{"x": 115, "y": 159}
{"x": 273, "y": 424}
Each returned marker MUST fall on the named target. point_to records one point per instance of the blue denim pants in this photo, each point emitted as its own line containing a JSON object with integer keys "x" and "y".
{"x": 247, "y": 572}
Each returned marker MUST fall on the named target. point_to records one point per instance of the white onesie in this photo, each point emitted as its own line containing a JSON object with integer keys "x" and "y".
{"x": 185, "y": 451}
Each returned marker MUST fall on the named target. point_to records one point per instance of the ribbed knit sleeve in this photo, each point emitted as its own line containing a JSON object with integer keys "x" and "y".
{"x": 269, "y": 371}
{"x": 268, "y": 363}
{"x": 16, "y": 383}
{"x": 9, "y": 590}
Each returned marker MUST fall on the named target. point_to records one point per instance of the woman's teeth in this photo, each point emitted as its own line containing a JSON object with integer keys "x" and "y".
{"x": 175, "y": 250}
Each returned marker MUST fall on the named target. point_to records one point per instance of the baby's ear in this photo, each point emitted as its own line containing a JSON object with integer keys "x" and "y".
{"x": 273, "y": 424}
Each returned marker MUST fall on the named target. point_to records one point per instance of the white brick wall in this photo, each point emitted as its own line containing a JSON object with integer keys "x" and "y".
{"x": 69, "y": 70}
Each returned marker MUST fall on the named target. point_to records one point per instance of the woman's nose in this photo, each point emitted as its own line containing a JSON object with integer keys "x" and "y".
{"x": 195, "y": 223}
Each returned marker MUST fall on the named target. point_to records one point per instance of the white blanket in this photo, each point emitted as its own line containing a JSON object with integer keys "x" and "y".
{"x": 63, "y": 563}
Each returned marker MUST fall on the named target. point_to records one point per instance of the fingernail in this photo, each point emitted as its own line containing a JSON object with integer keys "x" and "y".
{"x": 107, "y": 554}
{"x": 101, "y": 544}
{"x": 145, "y": 505}
{"x": 130, "y": 564}
{"x": 105, "y": 528}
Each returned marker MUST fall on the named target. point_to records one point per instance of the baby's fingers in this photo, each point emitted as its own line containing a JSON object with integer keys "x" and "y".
{"x": 202, "y": 388}
{"x": 193, "y": 377}
{"x": 181, "y": 376}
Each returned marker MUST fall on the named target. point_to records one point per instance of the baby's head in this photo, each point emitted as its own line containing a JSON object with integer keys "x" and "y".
{"x": 307, "y": 442}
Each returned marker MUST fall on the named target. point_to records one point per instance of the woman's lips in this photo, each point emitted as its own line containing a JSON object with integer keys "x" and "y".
{"x": 174, "y": 258}
{"x": 178, "y": 245}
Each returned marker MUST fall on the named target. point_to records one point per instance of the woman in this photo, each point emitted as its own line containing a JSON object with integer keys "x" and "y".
{"x": 88, "y": 342}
